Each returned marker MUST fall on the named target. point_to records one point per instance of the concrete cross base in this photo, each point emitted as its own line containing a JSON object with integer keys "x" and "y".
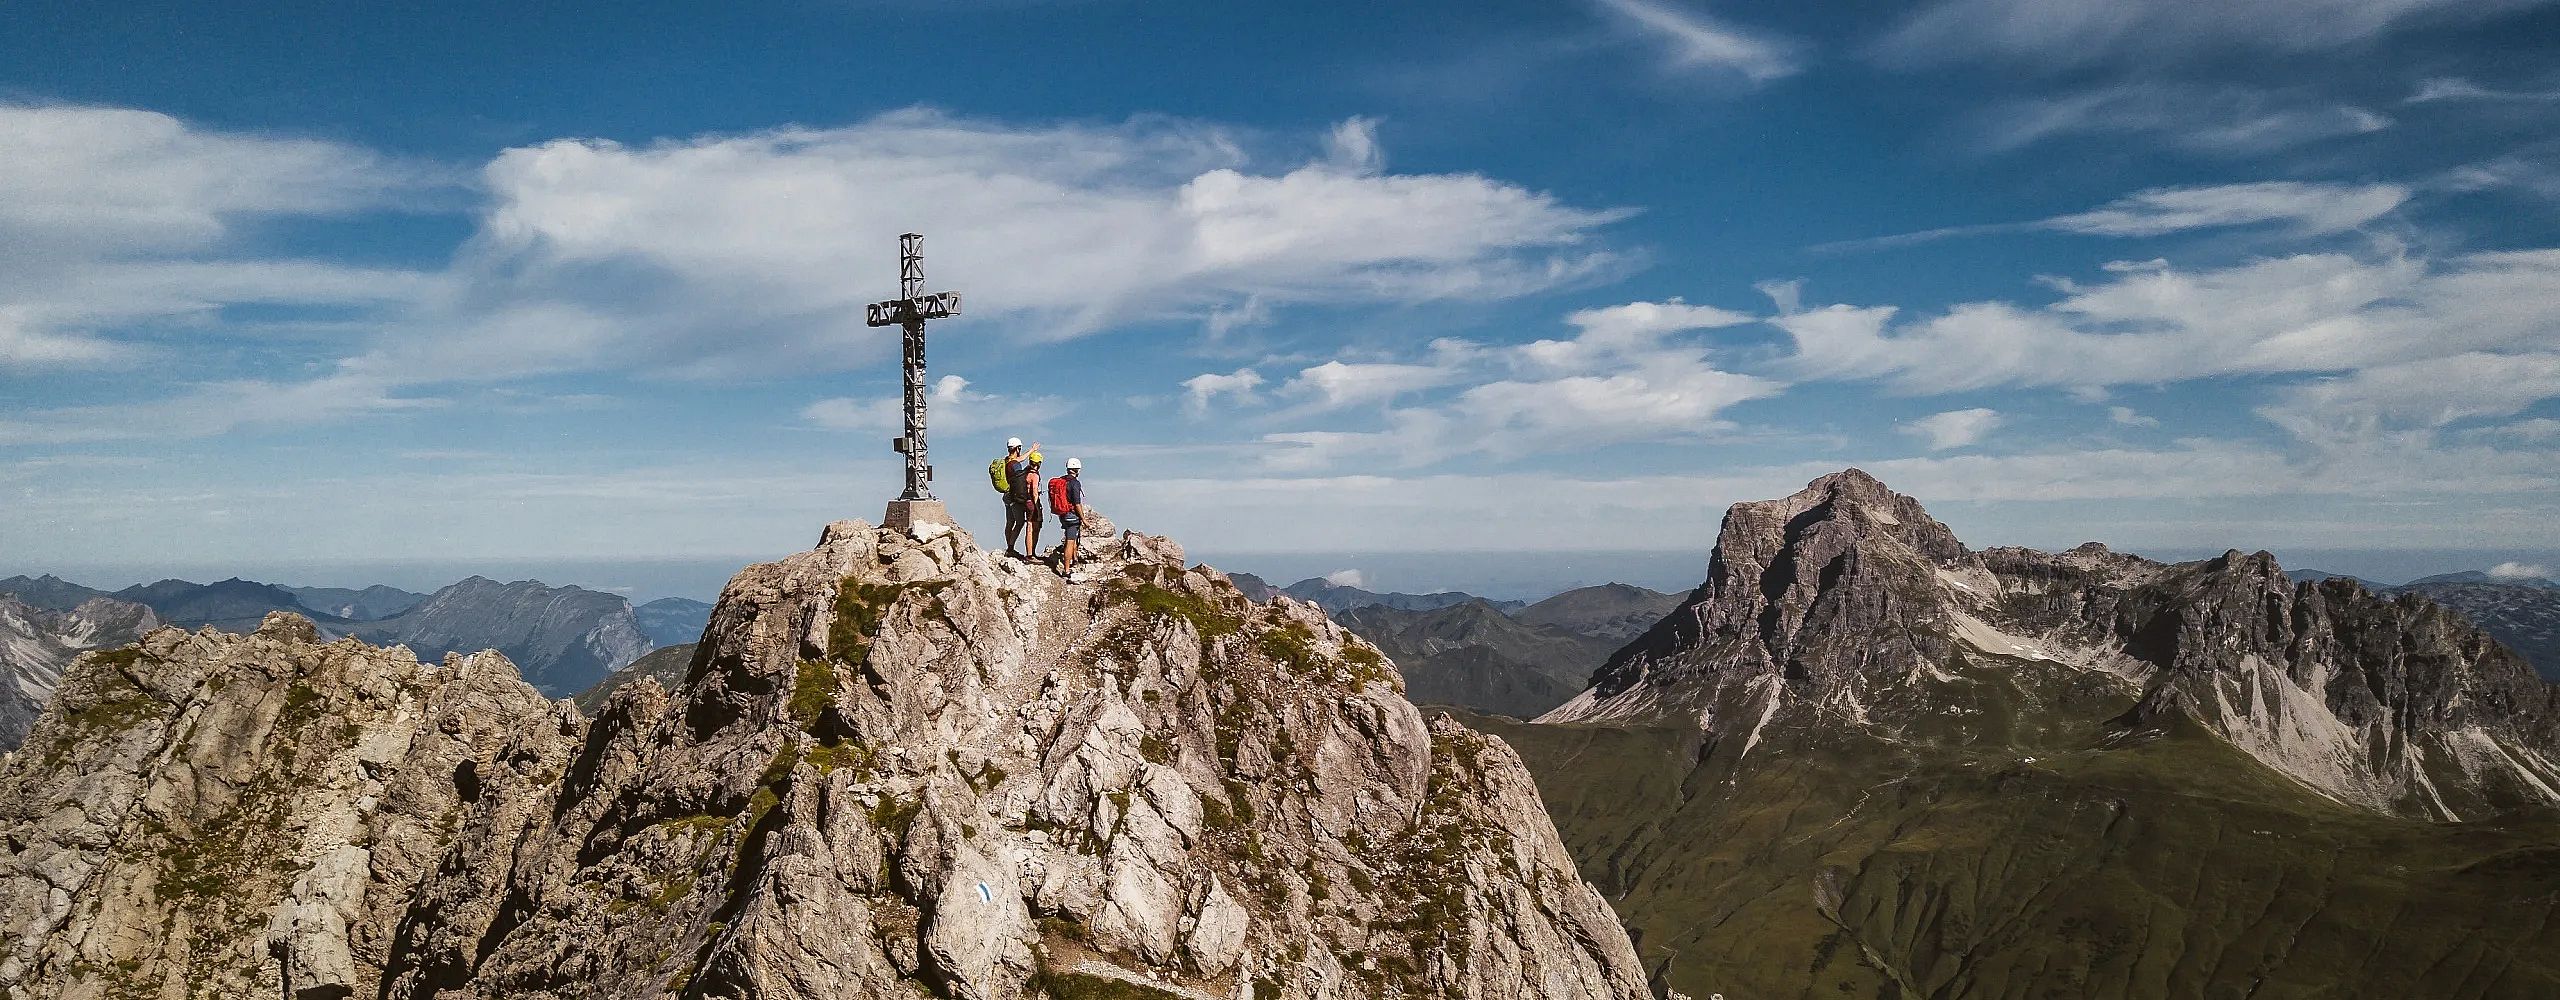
{"x": 904, "y": 515}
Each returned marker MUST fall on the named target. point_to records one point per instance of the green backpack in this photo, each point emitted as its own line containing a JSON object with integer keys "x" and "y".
{"x": 995, "y": 471}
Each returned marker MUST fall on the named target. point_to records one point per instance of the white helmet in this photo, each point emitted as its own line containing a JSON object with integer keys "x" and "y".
{"x": 1074, "y": 464}
{"x": 1012, "y": 443}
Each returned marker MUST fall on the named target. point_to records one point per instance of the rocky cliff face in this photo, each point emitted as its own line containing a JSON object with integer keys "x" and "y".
{"x": 36, "y": 643}
{"x": 895, "y": 766}
{"x": 1847, "y": 603}
{"x": 217, "y": 816}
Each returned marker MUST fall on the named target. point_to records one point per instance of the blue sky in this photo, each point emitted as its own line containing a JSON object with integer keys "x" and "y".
{"x": 327, "y": 283}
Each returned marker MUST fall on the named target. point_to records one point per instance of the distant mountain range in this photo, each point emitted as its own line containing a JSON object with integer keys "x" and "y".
{"x": 1503, "y": 657}
{"x": 1335, "y": 598}
{"x": 564, "y": 639}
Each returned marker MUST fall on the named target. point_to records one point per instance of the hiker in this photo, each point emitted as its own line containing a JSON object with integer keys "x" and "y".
{"x": 1006, "y": 472}
{"x": 1027, "y": 494}
{"x": 1066, "y": 497}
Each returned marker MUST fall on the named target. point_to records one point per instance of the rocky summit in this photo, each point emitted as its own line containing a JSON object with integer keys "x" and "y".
{"x": 895, "y": 766}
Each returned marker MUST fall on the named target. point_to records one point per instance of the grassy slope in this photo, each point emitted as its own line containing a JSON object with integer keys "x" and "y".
{"x": 1842, "y": 863}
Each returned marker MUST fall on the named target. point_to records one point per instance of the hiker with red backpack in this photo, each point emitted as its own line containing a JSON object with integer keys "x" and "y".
{"x": 1066, "y": 497}
{"x": 1007, "y": 472}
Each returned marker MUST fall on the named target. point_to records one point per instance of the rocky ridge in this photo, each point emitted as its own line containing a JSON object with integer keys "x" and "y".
{"x": 895, "y": 766}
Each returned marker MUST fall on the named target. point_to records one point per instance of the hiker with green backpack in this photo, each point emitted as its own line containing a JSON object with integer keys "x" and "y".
{"x": 1019, "y": 509}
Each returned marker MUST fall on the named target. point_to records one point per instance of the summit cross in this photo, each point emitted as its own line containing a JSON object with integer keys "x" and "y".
{"x": 909, "y": 311}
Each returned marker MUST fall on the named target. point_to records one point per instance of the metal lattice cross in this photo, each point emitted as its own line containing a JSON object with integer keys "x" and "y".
{"x": 909, "y": 311}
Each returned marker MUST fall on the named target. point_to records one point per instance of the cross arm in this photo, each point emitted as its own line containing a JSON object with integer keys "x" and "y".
{"x": 897, "y": 311}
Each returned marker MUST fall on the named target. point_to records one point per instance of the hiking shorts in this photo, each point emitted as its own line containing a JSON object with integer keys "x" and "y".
{"x": 1073, "y": 527}
{"x": 1013, "y": 519}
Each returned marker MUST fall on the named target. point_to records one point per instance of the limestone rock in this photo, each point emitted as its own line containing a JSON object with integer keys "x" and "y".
{"x": 210, "y": 815}
{"x": 901, "y": 762}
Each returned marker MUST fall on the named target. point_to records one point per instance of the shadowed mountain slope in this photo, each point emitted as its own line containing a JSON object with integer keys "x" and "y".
{"x": 1474, "y": 656}
{"x": 1614, "y": 611}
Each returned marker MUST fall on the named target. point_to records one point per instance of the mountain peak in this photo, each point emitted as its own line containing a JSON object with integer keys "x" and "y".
{"x": 1846, "y": 601}
{"x": 895, "y": 764}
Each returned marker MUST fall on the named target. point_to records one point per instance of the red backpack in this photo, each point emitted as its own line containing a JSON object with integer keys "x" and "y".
{"x": 1058, "y": 498}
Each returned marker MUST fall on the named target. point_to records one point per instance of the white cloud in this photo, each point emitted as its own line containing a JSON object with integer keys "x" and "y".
{"x": 113, "y": 218}
{"x": 2072, "y": 32}
{"x": 2125, "y": 416}
{"x": 1334, "y": 385}
{"x": 27, "y": 348}
{"x": 950, "y": 406}
{"x": 1224, "y": 320}
{"x": 1694, "y": 41}
{"x": 2520, "y": 571}
{"x": 2150, "y": 322}
{"x": 1201, "y": 390}
{"x": 731, "y": 253}
{"x": 2225, "y": 121}
{"x": 1620, "y": 379}
{"x": 216, "y": 408}
{"x": 1347, "y": 578}
{"x": 1954, "y": 428}
{"x": 2458, "y": 89}
{"x": 119, "y": 181}
{"x": 2414, "y": 398}
{"x": 2309, "y": 209}
{"x": 2306, "y": 209}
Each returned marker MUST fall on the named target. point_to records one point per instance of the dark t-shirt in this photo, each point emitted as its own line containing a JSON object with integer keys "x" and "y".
{"x": 1075, "y": 500}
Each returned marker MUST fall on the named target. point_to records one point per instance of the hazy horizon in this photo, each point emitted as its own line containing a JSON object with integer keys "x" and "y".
{"x": 1521, "y": 576}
